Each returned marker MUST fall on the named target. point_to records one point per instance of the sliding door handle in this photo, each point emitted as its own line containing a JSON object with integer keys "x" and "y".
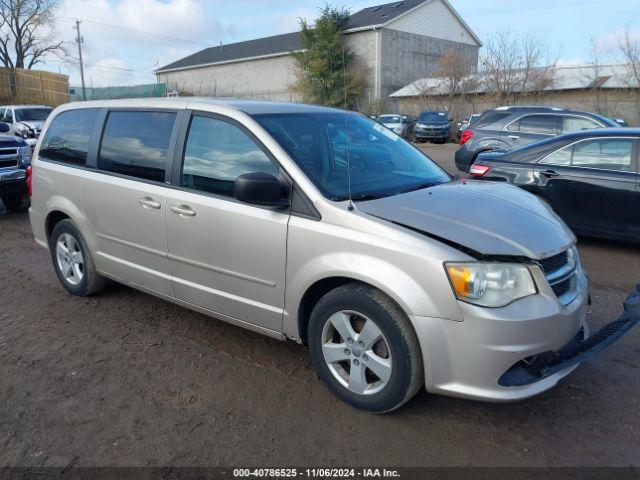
{"x": 148, "y": 202}
{"x": 183, "y": 210}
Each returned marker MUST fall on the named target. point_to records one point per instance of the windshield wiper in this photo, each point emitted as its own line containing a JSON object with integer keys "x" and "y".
{"x": 418, "y": 187}
{"x": 369, "y": 196}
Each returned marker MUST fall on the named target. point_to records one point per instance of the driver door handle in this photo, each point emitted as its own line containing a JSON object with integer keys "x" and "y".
{"x": 514, "y": 137}
{"x": 550, "y": 173}
{"x": 183, "y": 210}
{"x": 148, "y": 202}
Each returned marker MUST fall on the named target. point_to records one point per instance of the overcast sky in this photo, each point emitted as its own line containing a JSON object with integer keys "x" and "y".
{"x": 121, "y": 57}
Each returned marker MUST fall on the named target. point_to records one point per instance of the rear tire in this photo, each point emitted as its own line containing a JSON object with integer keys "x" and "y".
{"x": 378, "y": 366}
{"x": 72, "y": 261}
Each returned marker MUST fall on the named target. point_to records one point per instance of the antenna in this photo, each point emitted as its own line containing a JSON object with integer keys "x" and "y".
{"x": 346, "y": 124}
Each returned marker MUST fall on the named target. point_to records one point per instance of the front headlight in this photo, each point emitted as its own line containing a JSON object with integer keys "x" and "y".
{"x": 24, "y": 153}
{"x": 490, "y": 284}
{"x": 21, "y": 131}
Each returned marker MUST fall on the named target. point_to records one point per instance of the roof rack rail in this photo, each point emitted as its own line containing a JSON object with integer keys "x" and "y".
{"x": 526, "y": 107}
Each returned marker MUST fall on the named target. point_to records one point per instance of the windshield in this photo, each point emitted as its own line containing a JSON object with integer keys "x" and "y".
{"x": 434, "y": 117}
{"x": 32, "y": 114}
{"x": 381, "y": 163}
{"x": 386, "y": 119}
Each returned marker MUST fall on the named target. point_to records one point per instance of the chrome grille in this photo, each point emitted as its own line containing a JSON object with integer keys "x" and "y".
{"x": 560, "y": 271}
{"x": 8, "y": 163}
{"x": 551, "y": 264}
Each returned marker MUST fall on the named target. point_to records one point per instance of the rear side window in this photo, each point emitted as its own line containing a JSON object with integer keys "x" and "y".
{"x": 67, "y": 138}
{"x": 537, "y": 124}
{"x": 603, "y": 154}
{"x": 137, "y": 144}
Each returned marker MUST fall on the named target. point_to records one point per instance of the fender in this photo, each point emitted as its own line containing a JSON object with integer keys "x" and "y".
{"x": 393, "y": 280}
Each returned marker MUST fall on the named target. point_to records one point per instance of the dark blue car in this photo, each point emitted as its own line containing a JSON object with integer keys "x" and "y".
{"x": 433, "y": 126}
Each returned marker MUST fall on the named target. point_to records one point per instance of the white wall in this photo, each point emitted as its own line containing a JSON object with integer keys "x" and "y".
{"x": 434, "y": 19}
{"x": 269, "y": 78}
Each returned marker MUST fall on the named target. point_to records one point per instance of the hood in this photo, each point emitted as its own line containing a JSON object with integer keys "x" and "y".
{"x": 34, "y": 125}
{"x": 486, "y": 217}
{"x": 9, "y": 141}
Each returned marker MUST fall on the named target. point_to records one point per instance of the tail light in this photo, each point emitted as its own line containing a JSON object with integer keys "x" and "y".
{"x": 466, "y": 136}
{"x": 479, "y": 170}
{"x": 30, "y": 180}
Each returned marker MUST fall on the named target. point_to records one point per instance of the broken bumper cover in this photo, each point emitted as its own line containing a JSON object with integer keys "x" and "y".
{"x": 578, "y": 350}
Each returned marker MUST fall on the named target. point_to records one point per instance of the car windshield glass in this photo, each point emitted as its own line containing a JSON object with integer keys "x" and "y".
{"x": 386, "y": 119}
{"x": 437, "y": 117}
{"x": 381, "y": 163}
{"x": 32, "y": 114}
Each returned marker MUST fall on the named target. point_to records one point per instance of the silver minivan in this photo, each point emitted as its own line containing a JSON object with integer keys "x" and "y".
{"x": 323, "y": 227}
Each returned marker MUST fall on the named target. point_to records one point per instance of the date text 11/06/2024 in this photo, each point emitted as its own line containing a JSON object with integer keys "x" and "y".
{"x": 315, "y": 473}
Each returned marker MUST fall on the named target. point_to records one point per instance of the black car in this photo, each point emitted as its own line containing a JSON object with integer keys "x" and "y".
{"x": 433, "y": 126}
{"x": 590, "y": 178}
{"x": 15, "y": 159}
{"x": 507, "y": 128}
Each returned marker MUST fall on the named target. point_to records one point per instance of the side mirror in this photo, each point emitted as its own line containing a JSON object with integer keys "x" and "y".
{"x": 4, "y": 128}
{"x": 6, "y": 120}
{"x": 260, "y": 188}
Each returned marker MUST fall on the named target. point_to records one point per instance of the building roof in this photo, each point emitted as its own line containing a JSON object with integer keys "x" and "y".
{"x": 289, "y": 42}
{"x": 381, "y": 14}
{"x": 580, "y": 77}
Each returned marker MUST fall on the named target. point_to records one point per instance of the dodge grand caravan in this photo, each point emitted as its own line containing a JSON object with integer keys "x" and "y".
{"x": 323, "y": 227}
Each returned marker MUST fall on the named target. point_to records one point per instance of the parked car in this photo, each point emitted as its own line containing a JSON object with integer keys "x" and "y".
{"x": 320, "y": 226}
{"x": 15, "y": 159}
{"x": 464, "y": 124}
{"x": 590, "y": 178}
{"x": 25, "y": 121}
{"x": 395, "y": 123}
{"x": 433, "y": 126}
{"x": 507, "y": 128}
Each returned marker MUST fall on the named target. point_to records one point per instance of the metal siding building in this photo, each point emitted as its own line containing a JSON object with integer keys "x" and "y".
{"x": 394, "y": 44}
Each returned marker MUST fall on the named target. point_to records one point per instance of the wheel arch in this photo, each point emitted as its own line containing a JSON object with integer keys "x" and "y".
{"x": 60, "y": 208}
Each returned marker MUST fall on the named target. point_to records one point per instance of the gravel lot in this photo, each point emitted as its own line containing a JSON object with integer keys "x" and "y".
{"x": 126, "y": 379}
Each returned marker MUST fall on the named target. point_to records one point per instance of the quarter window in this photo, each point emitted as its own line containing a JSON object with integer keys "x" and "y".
{"x": 574, "y": 124}
{"x": 217, "y": 152}
{"x": 67, "y": 138}
{"x": 137, "y": 144}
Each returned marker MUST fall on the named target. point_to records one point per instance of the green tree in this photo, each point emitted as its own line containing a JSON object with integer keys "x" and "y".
{"x": 326, "y": 60}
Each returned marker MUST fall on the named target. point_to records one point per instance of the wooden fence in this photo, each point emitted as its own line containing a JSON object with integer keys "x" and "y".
{"x": 18, "y": 86}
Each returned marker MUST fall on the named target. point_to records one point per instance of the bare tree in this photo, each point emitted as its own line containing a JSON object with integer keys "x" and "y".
{"x": 515, "y": 67}
{"x": 595, "y": 78}
{"x": 26, "y": 35}
{"x": 630, "y": 48}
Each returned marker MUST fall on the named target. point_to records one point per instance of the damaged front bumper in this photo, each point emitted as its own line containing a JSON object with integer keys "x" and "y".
{"x": 578, "y": 350}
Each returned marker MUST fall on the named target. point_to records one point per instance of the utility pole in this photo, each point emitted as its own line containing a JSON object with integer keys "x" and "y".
{"x": 79, "y": 40}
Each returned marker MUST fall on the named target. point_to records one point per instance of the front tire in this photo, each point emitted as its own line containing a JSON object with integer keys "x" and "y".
{"x": 364, "y": 348}
{"x": 72, "y": 261}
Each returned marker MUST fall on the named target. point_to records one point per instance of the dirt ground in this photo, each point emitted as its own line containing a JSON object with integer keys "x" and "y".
{"x": 130, "y": 380}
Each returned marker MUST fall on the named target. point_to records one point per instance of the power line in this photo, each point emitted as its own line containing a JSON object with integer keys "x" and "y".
{"x": 134, "y": 31}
